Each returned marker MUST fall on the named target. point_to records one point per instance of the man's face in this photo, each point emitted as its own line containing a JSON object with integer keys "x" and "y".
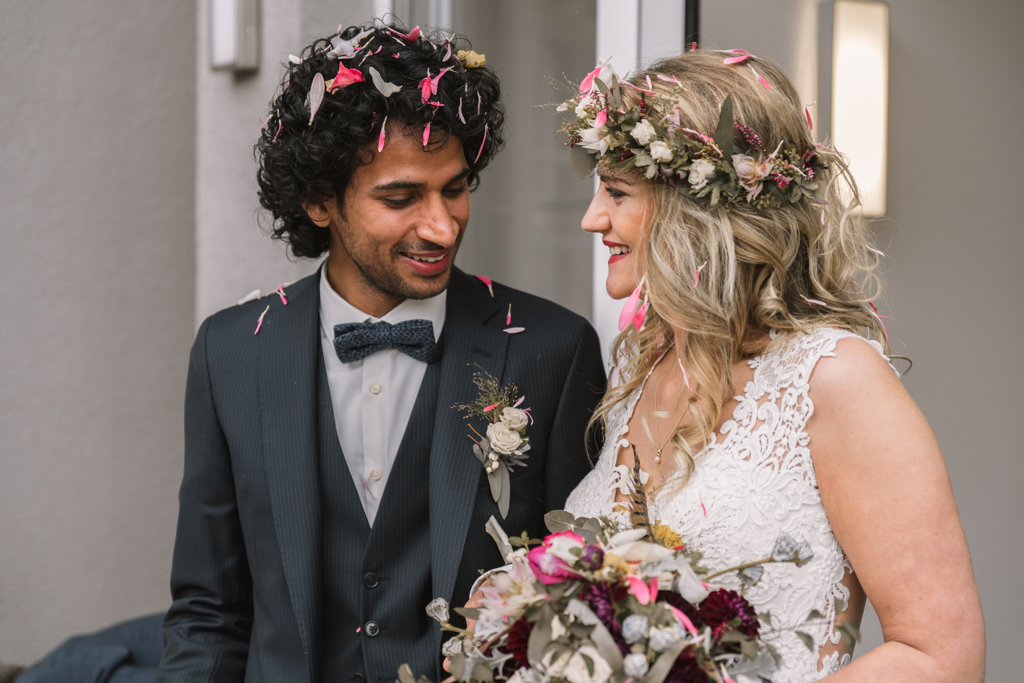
{"x": 402, "y": 220}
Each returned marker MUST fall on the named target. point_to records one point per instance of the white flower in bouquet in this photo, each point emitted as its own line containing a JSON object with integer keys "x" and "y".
{"x": 634, "y": 628}
{"x": 635, "y": 665}
{"x": 502, "y": 439}
{"x": 660, "y": 151}
{"x": 643, "y": 132}
{"x": 552, "y": 667}
{"x": 577, "y": 670}
{"x": 700, "y": 173}
{"x": 516, "y": 419}
{"x": 689, "y": 586}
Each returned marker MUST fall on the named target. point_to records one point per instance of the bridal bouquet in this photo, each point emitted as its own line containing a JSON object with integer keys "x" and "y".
{"x": 596, "y": 603}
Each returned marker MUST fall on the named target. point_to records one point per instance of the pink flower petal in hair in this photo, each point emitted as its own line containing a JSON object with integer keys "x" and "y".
{"x": 671, "y": 79}
{"x": 461, "y": 117}
{"x": 508, "y": 318}
{"x": 630, "y": 85}
{"x": 810, "y": 123}
{"x": 259, "y": 323}
{"x": 383, "y": 131}
{"x": 743, "y": 56}
{"x": 481, "y": 150}
{"x": 601, "y": 118}
{"x": 425, "y": 88}
{"x": 345, "y": 78}
{"x": 767, "y": 86}
{"x": 514, "y": 330}
{"x": 426, "y": 134}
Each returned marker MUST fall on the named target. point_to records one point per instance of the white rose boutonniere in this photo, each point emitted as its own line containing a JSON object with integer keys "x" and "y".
{"x": 516, "y": 419}
{"x": 504, "y": 443}
{"x": 503, "y": 440}
{"x": 660, "y": 151}
{"x": 643, "y": 132}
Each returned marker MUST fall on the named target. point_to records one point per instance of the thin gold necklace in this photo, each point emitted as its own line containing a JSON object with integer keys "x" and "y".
{"x": 657, "y": 436}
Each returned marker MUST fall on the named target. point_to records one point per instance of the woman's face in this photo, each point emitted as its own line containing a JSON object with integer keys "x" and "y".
{"x": 619, "y": 213}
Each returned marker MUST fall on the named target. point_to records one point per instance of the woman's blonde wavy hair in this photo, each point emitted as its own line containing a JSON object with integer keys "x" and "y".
{"x": 762, "y": 266}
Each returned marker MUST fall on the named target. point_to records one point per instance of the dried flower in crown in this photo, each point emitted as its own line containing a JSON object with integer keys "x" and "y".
{"x": 716, "y": 169}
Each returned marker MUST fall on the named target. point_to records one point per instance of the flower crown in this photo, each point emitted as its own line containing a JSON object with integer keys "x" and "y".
{"x": 711, "y": 169}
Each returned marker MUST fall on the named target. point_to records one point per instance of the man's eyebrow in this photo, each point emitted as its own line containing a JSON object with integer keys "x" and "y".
{"x": 405, "y": 185}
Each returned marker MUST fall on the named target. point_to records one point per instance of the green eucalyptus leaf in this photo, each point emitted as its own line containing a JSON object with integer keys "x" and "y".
{"x": 583, "y": 162}
{"x": 540, "y": 636}
{"x": 601, "y": 85}
{"x": 405, "y": 674}
{"x": 506, "y": 490}
{"x": 559, "y": 520}
{"x": 724, "y": 131}
{"x": 494, "y": 479}
{"x": 482, "y": 673}
{"x": 468, "y": 612}
{"x": 458, "y": 666}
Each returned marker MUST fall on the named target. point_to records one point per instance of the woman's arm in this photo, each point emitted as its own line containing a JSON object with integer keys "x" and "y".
{"x": 887, "y": 494}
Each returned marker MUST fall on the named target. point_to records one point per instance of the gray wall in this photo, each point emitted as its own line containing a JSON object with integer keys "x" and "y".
{"x": 96, "y": 270}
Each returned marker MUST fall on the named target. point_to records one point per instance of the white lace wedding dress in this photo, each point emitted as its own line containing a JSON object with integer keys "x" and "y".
{"x": 752, "y": 484}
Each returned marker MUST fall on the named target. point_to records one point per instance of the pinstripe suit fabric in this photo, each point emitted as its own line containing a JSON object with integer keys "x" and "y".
{"x": 248, "y": 575}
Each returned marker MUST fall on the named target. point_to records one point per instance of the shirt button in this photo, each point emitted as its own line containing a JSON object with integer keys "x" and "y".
{"x": 375, "y": 474}
{"x": 357, "y": 678}
{"x": 375, "y": 388}
{"x": 371, "y": 629}
{"x": 371, "y": 580}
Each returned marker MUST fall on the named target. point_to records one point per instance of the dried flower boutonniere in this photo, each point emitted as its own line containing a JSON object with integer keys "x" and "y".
{"x": 504, "y": 444}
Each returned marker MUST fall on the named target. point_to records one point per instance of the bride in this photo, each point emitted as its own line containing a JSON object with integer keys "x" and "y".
{"x": 750, "y": 377}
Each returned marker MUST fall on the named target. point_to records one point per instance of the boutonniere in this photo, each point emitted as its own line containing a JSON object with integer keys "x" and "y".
{"x": 504, "y": 443}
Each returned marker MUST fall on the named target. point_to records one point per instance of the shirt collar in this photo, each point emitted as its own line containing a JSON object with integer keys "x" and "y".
{"x": 334, "y": 310}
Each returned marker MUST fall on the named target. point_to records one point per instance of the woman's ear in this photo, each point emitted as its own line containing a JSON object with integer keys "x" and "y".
{"x": 319, "y": 213}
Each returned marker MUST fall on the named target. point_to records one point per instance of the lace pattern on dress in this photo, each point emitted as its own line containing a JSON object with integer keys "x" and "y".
{"x": 754, "y": 482}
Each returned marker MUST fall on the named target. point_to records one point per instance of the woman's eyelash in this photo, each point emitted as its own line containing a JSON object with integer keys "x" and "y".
{"x": 614, "y": 192}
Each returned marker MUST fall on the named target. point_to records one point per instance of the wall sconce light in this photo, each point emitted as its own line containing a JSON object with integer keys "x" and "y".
{"x": 860, "y": 88}
{"x": 234, "y": 34}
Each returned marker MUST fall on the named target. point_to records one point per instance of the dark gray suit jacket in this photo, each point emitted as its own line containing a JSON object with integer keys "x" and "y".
{"x": 246, "y": 576}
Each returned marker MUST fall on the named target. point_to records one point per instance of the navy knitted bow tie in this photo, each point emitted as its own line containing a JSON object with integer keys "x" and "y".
{"x": 415, "y": 338}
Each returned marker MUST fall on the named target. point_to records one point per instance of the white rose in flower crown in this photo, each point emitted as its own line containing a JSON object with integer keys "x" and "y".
{"x": 594, "y": 138}
{"x": 660, "y": 151}
{"x": 515, "y": 419}
{"x": 643, "y": 132}
{"x": 576, "y": 670}
{"x": 700, "y": 173}
{"x": 503, "y": 440}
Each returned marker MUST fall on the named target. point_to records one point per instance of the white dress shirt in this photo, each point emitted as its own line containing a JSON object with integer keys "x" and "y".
{"x": 373, "y": 397}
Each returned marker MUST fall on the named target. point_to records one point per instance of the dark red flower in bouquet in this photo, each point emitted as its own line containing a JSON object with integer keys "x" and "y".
{"x": 518, "y": 640}
{"x": 686, "y": 670}
{"x": 722, "y": 606}
{"x": 680, "y": 603}
{"x": 602, "y": 598}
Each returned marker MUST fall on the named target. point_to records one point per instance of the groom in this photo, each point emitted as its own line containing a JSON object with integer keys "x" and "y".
{"x": 330, "y": 487}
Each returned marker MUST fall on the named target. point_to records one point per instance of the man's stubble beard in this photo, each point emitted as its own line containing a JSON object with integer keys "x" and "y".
{"x": 383, "y": 276}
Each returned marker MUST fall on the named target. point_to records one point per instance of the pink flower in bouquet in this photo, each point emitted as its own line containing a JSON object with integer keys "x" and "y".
{"x": 552, "y": 560}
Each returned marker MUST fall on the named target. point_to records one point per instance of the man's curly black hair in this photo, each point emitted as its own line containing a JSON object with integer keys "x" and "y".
{"x": 302, "y": 163}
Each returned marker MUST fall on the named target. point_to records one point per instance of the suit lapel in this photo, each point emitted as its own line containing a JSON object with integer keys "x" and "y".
{"x": 468, "y": 346}
{"x": 288, "y": 349}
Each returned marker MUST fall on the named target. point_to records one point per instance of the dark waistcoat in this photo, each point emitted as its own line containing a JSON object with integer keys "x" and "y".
{"x": 376, "y": 582}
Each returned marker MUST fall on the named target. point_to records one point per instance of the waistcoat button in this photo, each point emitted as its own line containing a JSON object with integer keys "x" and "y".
{"x": 370, "y": 580}
{"x": 372, "y": 629}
